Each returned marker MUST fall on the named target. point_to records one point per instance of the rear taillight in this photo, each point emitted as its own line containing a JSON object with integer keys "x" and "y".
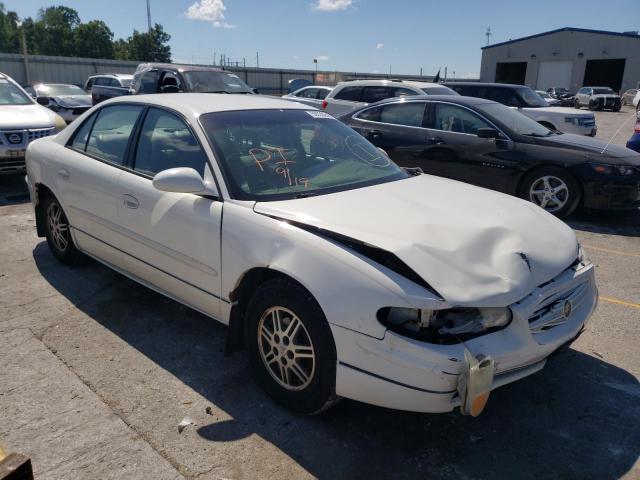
{"x": 324, "y": 104}
{"x": 637, "y": 127}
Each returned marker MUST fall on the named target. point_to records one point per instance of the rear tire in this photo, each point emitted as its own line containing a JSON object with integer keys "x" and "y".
{"x": 58, "y": 233}
{"x": 553, "y": 189}
{"x": 576, "y": 104}
{"x": 290, "y": 347}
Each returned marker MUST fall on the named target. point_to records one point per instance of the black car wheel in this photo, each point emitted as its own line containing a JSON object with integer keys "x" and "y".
{"x": 553, "y": 189}
{"x": 58, "y": 233}
{"x": 290, "y": 347}
{"x": 576, "y": 104}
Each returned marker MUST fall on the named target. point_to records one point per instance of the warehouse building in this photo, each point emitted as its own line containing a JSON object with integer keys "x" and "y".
{"x": 567, "y": 57}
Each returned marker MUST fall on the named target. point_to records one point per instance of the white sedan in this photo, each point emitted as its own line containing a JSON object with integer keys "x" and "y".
{"x": 340, "y": 274}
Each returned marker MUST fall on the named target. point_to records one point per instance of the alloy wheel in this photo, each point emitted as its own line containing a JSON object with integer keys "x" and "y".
{"x": 286, "y": 348}
{"x": 58, "y": 226}
{"x": 549, "y": 192}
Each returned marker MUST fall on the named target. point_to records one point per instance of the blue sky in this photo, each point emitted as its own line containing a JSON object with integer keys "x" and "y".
{"x": 351, "y": 35}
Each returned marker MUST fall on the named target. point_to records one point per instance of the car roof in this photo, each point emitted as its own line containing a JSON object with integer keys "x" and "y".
{"x": 458, "y": 99}
{"x": 180, "y": 68}
{"x": 395, "y": 82}
{"x": 195, "y": 104}
{"x": 120, "y": 75}
{"x": 484, "y": 84}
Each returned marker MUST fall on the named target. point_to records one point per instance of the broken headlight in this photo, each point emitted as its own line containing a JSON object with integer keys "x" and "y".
{"x": 444, "y": 326}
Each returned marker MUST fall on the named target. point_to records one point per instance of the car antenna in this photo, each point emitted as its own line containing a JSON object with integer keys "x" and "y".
{"x": 635, "y": 115}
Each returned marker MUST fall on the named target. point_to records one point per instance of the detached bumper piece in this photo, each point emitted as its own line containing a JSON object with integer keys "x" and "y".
{"x": 475, "y": 383}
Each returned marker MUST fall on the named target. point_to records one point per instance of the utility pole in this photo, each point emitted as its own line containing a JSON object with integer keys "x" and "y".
{"x": 25, "y": 57}
{"x": 149, "y": 14}
{"x": 488, "y": 34}
{"x": 445, "y": 74}
{"x": 420, "y": 71}
{"x": 214, "y": 58}
{"x": 257, "y": 60}
{"x": 389, "y": 70}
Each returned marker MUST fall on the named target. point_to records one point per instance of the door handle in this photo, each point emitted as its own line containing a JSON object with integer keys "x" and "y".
{"x": 436, "y": 141}
{"x": 63, "y": 174}
{"x": 130, "y": 201}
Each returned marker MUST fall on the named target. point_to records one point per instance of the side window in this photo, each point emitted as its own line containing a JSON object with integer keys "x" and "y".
{"x": 30, "y": 90}
{"x": 110, "y": 134}
{"x": 322, "y": 93}
{"x": 113, "y": 82}
{"x": 506, "y": 96}
{"x": 375, "y": 94}
{"x": 149, "y": 82}
{"x": 166, "y": 142}
{"x": 89, "y": 84}
{"x": 372, "y": 114}
{"x": 352, "y": 94}
{"x": 79, "y": 141}
{"x": 399, "y": 92}
{"x": 410, "y": 114}
{"x": 451, "y": 118}
{"x": 309, "y": 93}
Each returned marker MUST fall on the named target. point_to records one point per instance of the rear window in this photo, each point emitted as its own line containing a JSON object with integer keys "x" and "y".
{"x": 375, "y": 94}
{"x": 439, "y": 91}
{"x": 352, "y": 94}
{"x": 602, "y": 91}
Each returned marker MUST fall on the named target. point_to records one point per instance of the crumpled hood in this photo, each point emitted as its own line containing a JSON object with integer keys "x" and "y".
{"x": 15, "y": 117}
{"x": 593, "y": 147}
{"x": 472, "y": 245}
{"x": 71, "y": 101}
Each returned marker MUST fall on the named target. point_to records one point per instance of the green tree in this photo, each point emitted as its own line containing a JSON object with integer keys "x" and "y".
{"x": 9, "y": 33}
{"x": 121, "y": 49}
{"x": 53, "y": 32}
{"x": 149, "y": 46}
{"x": 93, "y": 39}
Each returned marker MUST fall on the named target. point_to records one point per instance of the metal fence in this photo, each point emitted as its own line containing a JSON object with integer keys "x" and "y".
{"x": 43, "y": 68}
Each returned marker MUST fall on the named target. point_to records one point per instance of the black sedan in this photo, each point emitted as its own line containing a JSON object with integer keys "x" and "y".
{"x": 488, "y": 144}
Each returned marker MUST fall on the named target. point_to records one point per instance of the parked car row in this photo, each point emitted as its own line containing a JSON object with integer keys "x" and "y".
{"x": 340, "y": 273}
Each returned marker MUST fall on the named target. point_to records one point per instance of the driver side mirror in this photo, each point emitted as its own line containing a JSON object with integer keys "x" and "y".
{"x": 44, "y": 101}
{"x": 183, "y": 180}
{"x": 488, "y": 133}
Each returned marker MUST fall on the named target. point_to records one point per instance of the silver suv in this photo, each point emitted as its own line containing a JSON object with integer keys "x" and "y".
{"x": 354, "y": 94}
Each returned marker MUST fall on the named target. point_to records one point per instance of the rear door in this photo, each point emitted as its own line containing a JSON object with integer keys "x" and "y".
{"x": 88, "y": 171}
{"x": 398, "y": 129}
{"x": 309, "y": 96}
{"x": 173, "y": 239}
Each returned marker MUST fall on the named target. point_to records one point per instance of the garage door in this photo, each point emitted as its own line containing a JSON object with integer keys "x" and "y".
{"x": 554, "y": 74}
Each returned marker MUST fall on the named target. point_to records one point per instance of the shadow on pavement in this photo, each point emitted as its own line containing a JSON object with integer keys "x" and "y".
{"x": 13, "y": 189}
{"x": 578, "y": 418}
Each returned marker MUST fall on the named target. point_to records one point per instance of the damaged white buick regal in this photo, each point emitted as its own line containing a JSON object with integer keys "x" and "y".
{"x": 339, "y": 273}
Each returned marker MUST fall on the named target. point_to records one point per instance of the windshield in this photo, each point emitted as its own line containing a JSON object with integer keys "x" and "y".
{"x": 283, "y": 154}
{"x": 532, "y": 98}
{"x": 210, "y": 82}
{"x": 59, "y": 90}
{"x": 439, "y": 91}
{"x": 12, "y": 95}
{"x": 514, "y": 120}
{"x": 602, "y": 91}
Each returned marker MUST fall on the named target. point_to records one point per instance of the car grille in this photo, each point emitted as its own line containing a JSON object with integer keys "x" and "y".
{"x": 39, "y": 133}
{"x": 557, "y": 309}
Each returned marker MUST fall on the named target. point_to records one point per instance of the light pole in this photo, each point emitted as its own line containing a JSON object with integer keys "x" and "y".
{"x": 25, "y": 59}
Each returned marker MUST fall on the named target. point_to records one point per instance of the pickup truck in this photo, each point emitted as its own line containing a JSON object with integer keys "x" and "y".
{"x": 169, "y": 78}
{"x": 107, "y": 85}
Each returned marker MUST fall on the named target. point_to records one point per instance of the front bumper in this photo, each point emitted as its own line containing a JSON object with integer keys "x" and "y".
{"x": 13, "y": 145}
{"x": 406, "y": 374}
{"x": 609, "y": 192}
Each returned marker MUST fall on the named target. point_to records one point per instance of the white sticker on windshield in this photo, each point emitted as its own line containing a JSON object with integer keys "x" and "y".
{"x": 316, "y": 114}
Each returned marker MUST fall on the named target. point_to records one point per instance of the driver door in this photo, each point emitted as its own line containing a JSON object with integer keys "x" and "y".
{"x": 173, "y": 239}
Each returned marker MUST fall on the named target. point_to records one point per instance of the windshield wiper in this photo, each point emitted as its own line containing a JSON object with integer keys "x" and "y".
{"x": 215, "y": 91}
{"x": 304, "y": 195}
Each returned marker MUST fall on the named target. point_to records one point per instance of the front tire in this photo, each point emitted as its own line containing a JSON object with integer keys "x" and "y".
{"x": 576, "y": 104}
{"x": 290, "y": 347}
{"x": 58, "y": 233}
{"x": 553, "y": 189}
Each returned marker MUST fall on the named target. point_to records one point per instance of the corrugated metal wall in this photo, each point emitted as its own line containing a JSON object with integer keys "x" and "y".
{"x": 73, "y": 70}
